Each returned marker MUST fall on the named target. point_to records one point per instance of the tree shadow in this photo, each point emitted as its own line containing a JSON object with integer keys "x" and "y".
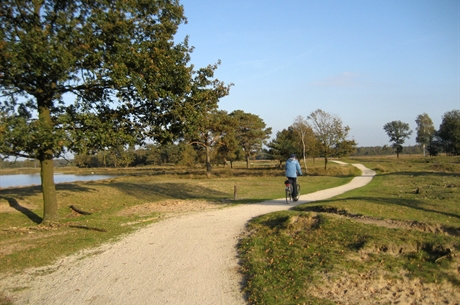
{"x": 15, "y": 205}
{"x": 404, "y": 202}
{"x": 416, "y": 174}
{"x": 174, "y": 190}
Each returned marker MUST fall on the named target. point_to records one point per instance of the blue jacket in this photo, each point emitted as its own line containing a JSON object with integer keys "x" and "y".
{"x": 292, "y": 168}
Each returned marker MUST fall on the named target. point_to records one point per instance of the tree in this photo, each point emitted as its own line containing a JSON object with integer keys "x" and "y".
{"x": 230, "y": 150}
{"x": 209, "y": 133}
{"x": 425, "y": 130}
{"x": 117, "y": 59}
{"x": 251, "y": 133}
{"x": 398, "y": 133}
{"x": 306, "y": 135}
{"x": 449, "y": 132}
{"x": 283, "y": 145}
{"x": 344, "y": 148}
{"x": 329, "y": 132}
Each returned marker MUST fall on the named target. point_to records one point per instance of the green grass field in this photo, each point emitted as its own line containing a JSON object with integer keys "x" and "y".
{"x": 133, "y": 199}
{"x": 404, "y": 226}
{"x": 405, "y": 223}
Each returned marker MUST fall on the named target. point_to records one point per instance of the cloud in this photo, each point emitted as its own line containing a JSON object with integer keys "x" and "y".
{"x": 345, "y": 79}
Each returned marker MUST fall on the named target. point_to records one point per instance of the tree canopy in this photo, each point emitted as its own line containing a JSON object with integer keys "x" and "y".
{"x": 80, "y": 75}
{"x": 331, "y": 134}
{"x": 251, "y": 133}
{"x": 398, "y": 133}
{"x": 449, "y": 131}
{"x": 425, "y": 130}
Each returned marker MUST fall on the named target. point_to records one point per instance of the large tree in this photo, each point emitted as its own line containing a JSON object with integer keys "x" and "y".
{"x": 329, "y": 131}
{"x": 251, "y": 133}
{"x": 449, "y": 132}
{"x": 398, "y": 133}
{"x": 85, "y": 75}
{"x": 425, "y": 130}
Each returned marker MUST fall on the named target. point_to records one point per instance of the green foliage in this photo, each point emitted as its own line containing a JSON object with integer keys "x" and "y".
{"x": 449, "y": 131}
{"x": 425, "y": 129}
{"x": 250, "y": 133}
{"x": 118, "y": 59}
{"x": 398, "y": 133}
{"x": 331, "y": 135}
{"x": 283, "y": 145}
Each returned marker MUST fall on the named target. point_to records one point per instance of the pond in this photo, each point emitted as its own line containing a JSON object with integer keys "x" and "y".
{"x": 34, "y": 179}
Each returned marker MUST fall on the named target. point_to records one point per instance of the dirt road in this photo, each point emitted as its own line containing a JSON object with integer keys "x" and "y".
{"x": 190, "y": 259}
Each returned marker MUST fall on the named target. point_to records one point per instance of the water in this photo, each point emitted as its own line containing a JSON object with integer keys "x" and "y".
{"x": 34, "y": 179}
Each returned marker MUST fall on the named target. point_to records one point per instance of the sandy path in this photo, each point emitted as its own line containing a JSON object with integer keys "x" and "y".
{"x": 190, "y": 259}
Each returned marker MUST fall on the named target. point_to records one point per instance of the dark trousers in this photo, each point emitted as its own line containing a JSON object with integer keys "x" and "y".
{"x": 294, "y": 185}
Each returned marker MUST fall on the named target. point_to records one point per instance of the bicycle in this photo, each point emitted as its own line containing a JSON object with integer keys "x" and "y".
{"x": 289, "y": 197}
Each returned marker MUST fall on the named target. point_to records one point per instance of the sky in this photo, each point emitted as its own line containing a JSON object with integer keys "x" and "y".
{"x": 368, "y": 62}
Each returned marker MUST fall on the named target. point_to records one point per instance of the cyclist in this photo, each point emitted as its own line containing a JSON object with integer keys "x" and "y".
{"x": 292, "y": 168}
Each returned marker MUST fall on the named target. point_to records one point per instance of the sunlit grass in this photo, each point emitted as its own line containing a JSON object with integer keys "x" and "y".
{"x": 114, "y": 206}
{"x": 287, "y": 254}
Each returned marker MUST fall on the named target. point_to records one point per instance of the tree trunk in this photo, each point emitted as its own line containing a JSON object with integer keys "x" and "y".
{"x": 325, "y": 162}
{"x": 247, "y": 161}
{"x": 50, "y": 206}
{"x": 208, "y": 162}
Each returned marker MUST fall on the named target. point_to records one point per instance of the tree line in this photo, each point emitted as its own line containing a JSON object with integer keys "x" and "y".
{"x": 446, "y": 139}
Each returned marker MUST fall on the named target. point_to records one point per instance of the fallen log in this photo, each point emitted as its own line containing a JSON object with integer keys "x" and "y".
{"x": 87, "y": 228}
{"x": 79, "y": 211}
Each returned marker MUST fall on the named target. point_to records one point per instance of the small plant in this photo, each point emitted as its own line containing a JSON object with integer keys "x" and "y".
{"x": 4, "y": 300}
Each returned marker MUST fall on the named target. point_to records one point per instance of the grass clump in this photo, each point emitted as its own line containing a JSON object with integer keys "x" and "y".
{"x": 288, "y": 254}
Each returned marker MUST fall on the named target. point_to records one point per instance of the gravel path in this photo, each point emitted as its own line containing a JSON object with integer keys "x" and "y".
{"x": 190, "y": 259}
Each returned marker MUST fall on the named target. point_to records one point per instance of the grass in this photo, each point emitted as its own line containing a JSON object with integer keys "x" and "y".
{"x": 288, "y": 254}
{"x": 121, "y": 205}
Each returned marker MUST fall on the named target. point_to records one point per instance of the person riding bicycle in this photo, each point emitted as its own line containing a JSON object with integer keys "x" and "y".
{"x": 293, "y": 169}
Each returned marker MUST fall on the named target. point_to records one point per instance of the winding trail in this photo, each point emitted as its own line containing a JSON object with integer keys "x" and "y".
{"x": 189, "y": 259}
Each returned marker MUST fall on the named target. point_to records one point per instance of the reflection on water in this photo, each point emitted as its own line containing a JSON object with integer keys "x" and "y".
{"x": 34, "y": 179}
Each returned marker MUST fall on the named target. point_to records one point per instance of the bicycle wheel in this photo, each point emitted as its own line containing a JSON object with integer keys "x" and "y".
{"x": 298, "y": 193}
{"x": 288, "y": 193}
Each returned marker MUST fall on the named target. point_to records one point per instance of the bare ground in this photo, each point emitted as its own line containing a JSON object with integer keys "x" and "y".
{"x": 192, "y": 259}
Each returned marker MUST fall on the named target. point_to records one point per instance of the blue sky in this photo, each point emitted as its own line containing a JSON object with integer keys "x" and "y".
{"x": 369, "y": 62}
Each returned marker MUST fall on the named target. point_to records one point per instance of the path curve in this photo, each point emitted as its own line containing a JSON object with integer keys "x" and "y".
{"x": 189, "y": 259}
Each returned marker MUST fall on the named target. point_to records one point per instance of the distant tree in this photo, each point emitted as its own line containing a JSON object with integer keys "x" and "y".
{"x": 307, "y": 137}
{"x": 120, "y": 62}
{"x": 187, "y": 155}
{"x": 230, "y": 150}
{"x": 283, "y": 145}
{"x": 209, "y": 133}
{"x": 329, "y": 132}
{"x": 436, "y": 145}
{"x": 398, "y": 133}
{"x": 251, "y": 133}
{"x": 425, "y": 130}
{"x": 449, "y": 132}
{"x": 344, "y": 148}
